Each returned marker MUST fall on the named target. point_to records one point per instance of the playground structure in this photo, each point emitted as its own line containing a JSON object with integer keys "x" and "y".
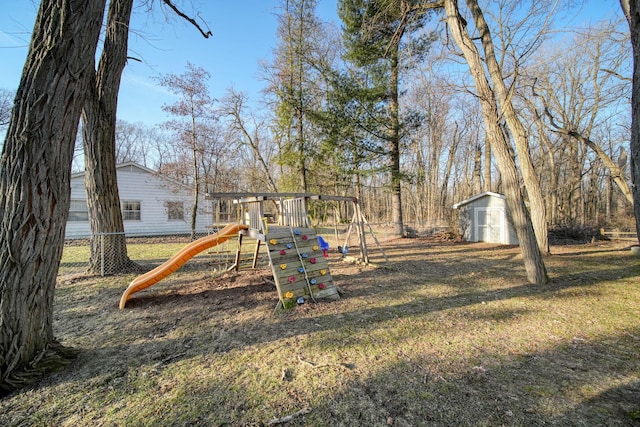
{"x": 178, "y": 260}
{"x": 297, "y": 255}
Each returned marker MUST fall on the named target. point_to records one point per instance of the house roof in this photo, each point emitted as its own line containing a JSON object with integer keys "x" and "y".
{"x": 478, "y": 196}
{"x": 122, "y": 166}
{"x": 133, "y": 165}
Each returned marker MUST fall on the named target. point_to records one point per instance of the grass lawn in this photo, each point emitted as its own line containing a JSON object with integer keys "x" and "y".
{"x": 447, "y": 334}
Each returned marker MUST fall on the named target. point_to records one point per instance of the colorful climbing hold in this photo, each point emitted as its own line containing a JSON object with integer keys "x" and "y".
{"x": 283, "y": 266}
{"x": 315, "y": 247}
{"x": 305, "y": 255}
{"x": 297, "y": 232}
{"x": 305, "y": 237}
{"x": 289, "y": 245}
{"x": 273, "y": 241}
{"x": 283, "y": 252}
{"x": 320, "y": 285}
{"x": 312, "y": 260}
{"x": 313, "y": 281}
{"x": 292, "y": 279}
{"x": 300, "y": 300}
{"x": 288, "y": 295}
{"x": 301, "y": 270}
{"x": 323, "y": 272}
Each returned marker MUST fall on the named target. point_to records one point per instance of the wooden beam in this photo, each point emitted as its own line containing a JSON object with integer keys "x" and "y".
{"x": 257, "y": 197}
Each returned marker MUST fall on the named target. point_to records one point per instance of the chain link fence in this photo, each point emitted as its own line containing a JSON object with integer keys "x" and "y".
{"x": 112, "y": 253}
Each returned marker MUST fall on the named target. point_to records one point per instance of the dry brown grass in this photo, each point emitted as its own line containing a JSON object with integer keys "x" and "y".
{"x": 447, "y": 334}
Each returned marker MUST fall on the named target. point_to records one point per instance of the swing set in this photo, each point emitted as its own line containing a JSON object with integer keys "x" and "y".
{"x": 279, "y": 221}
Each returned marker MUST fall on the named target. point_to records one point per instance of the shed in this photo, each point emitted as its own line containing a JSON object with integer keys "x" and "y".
{"x": 485, "y": 218}
{"x": 151, "y": 204}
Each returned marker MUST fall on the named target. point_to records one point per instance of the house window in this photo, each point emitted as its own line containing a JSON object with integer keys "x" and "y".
{"x": 131, "y": 211}
{"x": 175, "y": 211}
{"x": 78, "y": 210}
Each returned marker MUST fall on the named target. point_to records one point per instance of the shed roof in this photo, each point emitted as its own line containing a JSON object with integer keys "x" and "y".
{"x": 478, "y": 196}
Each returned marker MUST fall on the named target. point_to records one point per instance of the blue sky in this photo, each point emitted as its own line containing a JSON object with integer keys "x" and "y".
{"x": 242, "y": 37}
{"x": 244, "y": 33}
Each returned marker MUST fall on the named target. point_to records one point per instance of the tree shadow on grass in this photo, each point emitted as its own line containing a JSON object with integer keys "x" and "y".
{"x": 174, "y": 323}
{"x": 551, "y": 387}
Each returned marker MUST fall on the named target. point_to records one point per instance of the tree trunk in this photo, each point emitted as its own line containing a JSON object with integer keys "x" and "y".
{"x": 552, "y": 174}
{"x": 394, "y": 148}
{"x": 444, "y": 190}
{"x": 631, "y": 9}
{"x": 99, "y": 118}
{"x": 196, "y": 186}
{"x": 534, "y": 265}
{"x": 487, "y": 166}
{"x": 35, "y": 170}
{"x": 477, "y": 170}
{"x": 508, "y": 112}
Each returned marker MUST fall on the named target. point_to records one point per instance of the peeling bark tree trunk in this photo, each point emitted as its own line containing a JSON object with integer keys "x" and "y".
{"x": 35, "y": 169}
{"x": 99, "y": 118}
{"x": 534, "y": 264}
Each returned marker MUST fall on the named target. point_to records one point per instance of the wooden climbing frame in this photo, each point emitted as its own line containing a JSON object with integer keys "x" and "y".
{"x": 299, "y": 266}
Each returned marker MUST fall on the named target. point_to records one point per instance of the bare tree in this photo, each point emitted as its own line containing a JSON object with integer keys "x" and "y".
{"x": 429, "y": 141}
{"x": 6, "y": 104}
{"x": 575, "y": 92}
{"x": 133, "y": 142}
{"x": 293, "y": 82}
{"x": 194, "y": 109}
{"x": 35, "y": 169}
{"x": 504, "y": 96}
{"x": 534, "y": 265}
{"x": 233, "y": 106}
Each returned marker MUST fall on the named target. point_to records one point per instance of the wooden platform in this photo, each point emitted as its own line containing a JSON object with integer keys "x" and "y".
{"x": 299, "y": 267}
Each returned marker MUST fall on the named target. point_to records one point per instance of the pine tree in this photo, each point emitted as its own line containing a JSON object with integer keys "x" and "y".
{"x": 377, "y": 40}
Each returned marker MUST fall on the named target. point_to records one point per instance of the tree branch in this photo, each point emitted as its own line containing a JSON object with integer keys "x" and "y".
{"x": 615, "y": 171}
{"x": 205, "y": 34}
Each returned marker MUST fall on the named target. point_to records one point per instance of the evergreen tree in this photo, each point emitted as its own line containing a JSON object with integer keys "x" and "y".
{"x": 379, "y": 36}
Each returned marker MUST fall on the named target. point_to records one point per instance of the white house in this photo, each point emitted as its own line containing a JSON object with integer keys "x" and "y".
{"x": 485, "y": 218}
{"x": 151, "y": 204}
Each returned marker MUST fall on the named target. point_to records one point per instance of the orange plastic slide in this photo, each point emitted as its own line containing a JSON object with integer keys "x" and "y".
{"x": 178, "y": 260}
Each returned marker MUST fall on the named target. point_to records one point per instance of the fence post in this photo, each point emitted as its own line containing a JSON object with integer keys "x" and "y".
{"x": 101, "y": 254}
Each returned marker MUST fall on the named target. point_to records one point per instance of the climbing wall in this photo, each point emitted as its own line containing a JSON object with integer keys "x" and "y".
{"x": 299, "y": 266}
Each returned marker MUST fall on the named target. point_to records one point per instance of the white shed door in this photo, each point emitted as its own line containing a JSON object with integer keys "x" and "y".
{"x": 489, "y": 225}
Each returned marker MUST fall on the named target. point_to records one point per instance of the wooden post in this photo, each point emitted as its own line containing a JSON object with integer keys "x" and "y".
{"x": 255, "y": 254}
{"x": 238, "y": 252}
{"x": 361, "y": 232}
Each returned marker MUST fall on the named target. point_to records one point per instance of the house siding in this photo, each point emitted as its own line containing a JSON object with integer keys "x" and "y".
{"x": 136, "y": 183}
